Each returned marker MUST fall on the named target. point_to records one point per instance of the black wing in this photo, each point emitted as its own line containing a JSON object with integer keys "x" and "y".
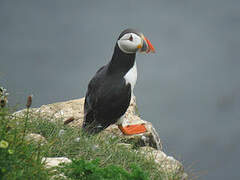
{"x": 107, "y": 99}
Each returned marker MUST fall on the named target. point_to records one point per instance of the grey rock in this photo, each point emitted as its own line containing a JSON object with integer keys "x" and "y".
{"x": 149, "y": 142}
{"x": 167, "y": 163}
{"x": 37, "y": 138}
{"x": 55, "y": 161}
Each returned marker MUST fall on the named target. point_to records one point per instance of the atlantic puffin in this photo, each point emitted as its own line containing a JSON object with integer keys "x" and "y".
{"x": 109, "y": 91}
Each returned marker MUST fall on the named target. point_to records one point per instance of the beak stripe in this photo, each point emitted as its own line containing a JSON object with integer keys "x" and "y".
{"x": 150, "y": 46}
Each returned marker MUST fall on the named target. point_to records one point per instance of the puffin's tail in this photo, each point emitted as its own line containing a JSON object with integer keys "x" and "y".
{"x": 90, "y": 125}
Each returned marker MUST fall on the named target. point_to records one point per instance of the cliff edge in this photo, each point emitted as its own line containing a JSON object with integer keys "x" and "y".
{"x": 148, "y": 143}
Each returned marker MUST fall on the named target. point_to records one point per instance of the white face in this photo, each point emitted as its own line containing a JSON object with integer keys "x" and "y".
{"x": 130, "y": 43}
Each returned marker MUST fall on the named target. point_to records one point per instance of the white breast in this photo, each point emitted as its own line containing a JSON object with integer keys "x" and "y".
{"x": 131, "y": 76}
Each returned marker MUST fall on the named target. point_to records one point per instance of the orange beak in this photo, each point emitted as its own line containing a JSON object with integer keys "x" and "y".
{"x": 146, "y": 46}
{"x": 150, "y": 46}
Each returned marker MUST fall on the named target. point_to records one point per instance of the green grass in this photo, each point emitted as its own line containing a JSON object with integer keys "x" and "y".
{"x": 19, "y": 159}
{"x": 82, "y": 169}
{"x": 94, "y": 157}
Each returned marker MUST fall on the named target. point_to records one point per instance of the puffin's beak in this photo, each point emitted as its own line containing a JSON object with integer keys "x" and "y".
{"x": 146, "y": 46}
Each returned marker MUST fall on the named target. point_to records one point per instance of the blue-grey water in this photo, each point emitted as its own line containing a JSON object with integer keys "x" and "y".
{"x": 189, "y": 89}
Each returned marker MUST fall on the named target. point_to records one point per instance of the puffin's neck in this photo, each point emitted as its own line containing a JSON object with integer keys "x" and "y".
{"x": 121, "y": 62}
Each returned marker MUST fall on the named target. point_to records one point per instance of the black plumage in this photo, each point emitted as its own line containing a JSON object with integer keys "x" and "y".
{"x": 108, "y": 96}
{"x": 109, "y": 91}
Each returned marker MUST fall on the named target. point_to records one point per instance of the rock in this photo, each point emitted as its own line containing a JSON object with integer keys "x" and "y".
{"x": 184, "y": 176}
{"x": 149, "y": 142}
{"x": 149, "y": 138}
{"x": 168, "y": 163}
{"x": 37, "y": 138}
{"x": 74, "y": 109}
{"x": 55, "y": 161}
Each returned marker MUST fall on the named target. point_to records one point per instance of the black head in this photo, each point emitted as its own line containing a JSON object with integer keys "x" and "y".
{"x": 132, "y": 41}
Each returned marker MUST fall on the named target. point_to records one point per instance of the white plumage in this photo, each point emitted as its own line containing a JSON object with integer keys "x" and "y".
{"x": 131, "y": 76}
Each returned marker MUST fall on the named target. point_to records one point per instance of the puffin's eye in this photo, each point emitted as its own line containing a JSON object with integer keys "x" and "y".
{"x": 130, "y": 38}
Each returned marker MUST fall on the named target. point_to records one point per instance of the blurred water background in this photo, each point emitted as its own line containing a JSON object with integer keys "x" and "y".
{"x": 189, "y": 89}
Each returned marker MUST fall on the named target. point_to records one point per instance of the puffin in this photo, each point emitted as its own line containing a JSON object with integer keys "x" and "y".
{"x": 110, "y": 90}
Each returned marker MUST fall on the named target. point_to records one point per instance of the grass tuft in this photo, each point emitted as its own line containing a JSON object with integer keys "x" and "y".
{"x": 93, "y": 156}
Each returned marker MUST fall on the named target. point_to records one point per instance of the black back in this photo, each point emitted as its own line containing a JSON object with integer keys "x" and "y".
{"x": 108, "y": 96}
